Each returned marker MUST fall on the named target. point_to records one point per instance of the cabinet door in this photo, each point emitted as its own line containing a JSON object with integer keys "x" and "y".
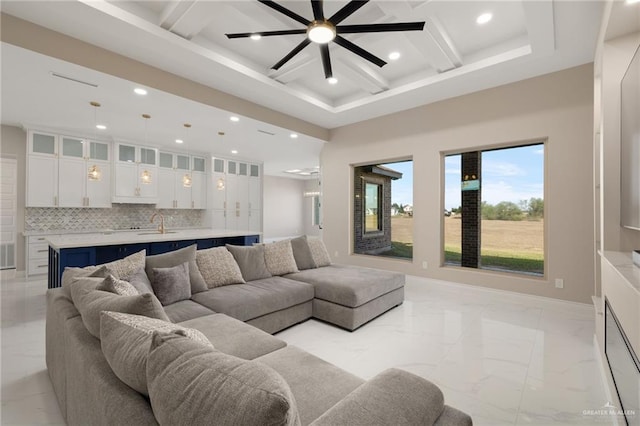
{"x": 166, "y": 160}
{"x": 198, "y": 164}
{"x": 71, "y": 181}
{"x": 148, "y": 156}
{"x": 43, "y": 144}
{"x": 231, "y": 189}
{"x": 147, "y": 188}
{"x": 72, "y": 147}
{"x": 255, "y": 193}
{"x": 182, "y": 193}
{"x": 219, "y": 220}
{"x": 242, "y": 219}
{"x": 166, "y": 196}
{"x": 218, "y": 191}
{"x": 98, "y": 191}
{"x": 199, "y": 191}
{"x": 242, "y": 191}
{"x": 98, "y": 151}
{"x": 126, "y": 153}
{"x": 126, "y": 179}
{"x": 255, "y": 220}
{"x": 42, "y": 182}
{"x": 218, "y": 165}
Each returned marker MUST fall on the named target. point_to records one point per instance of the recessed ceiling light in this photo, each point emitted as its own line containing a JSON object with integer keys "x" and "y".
{"x": 293, "y": 135}
{"x": 234, "y": 151}
{"x": 332, "y": 80}
{"x": 484, "y": 18}
{"x": 234, "y": 118}
{"x": 179, "y": 141}
{"x": 255, "y": 36}
{"x": 394, "y": 56}
{"x": 139, "y": 91}
{"x": 101, "y": 126}
{"x": 632, "y": 1}
{"x": 293, "y": 171}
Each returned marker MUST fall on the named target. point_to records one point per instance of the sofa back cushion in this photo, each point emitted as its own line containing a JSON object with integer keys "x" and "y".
{"x": 319, "y": 252}
{"x": 302, "y": 253}
{"x": 90, "y": 302}
{"x": 278, "y": 257}
{"x": 175, "y": 258}
{"x": 117, "y": 286}
{"x": 218, "y": 267}
{"x": 251, "y": 261}
{"x": 124, "y": 268}
{"x": 172, "y": 284}
{"x": 126, "y": 339}
{"x": 190, "y": 383}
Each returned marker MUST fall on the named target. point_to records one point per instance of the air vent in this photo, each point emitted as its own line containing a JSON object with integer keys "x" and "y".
{"x": 66, "y": 77}
{"x": 266, "y": 133}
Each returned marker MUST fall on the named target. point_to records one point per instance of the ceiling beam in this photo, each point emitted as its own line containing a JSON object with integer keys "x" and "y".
{"x": 364, "y": 75}
{"x": 188, "y": 17}
{"x": 295, "y": 69}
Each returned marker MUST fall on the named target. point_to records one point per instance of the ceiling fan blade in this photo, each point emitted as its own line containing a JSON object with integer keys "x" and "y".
{"x": 318, "y": 10}
{"x": 267, "y": 33}
{"x": 379, "y": 28}
{"x": 275, "y": 6}
{"x": 326, "y": 60}
{"x": 291, "y": 54}
{"x": 359, "y": 51}
{"x": 346, "y": 11}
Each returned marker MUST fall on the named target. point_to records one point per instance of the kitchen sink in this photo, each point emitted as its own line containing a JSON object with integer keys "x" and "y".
{"x": 156, "y": 233}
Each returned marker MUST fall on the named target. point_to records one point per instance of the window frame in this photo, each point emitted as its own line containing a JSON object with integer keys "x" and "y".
{"x": 380, "y": 207}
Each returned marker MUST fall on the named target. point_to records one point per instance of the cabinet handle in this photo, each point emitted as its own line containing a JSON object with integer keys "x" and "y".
{"x": 237, "y": 204}
{"x": 41, "y": 238}
{"x": 225, "y": 205}
{"x": 88, "y": 202}
{"x": 193, "y": 204}
{"x": 43, "y": 266}
{"x": 237, "y": 213}
{"x": 249, "y": 206}
{"x": 43, "y": 251}
{"x": 55, "y": 200}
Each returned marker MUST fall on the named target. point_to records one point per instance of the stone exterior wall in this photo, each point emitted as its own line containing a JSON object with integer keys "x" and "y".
{"x": 372, "y": 243}
{"x": 471, "y": 211}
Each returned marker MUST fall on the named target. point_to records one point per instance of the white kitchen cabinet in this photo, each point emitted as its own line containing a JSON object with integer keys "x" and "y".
{"x": 199, "y": 190}
{"x": 37, "y": 254}
{"x": 172, "y": 171}
{"x": 42, "y": 170}
{"x": 136, "y": 174}
{"x": 75, "y": 187}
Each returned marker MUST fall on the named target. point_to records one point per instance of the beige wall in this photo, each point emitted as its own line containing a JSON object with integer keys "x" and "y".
{"x": 557, "y": 107}
{"x": 13, "y": 144}
{"x": 282, "y": 207}
{"x": 311, "y": 185}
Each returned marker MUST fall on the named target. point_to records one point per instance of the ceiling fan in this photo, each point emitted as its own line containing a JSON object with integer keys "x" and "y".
{"x": 323, "y": 31}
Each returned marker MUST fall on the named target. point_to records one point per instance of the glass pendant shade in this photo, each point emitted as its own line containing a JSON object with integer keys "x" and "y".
{"x": 220, "y": 184}
{"x": 94, "y": 173}
{"x": 145, "y": 177}
{"x": 186, "y": 180}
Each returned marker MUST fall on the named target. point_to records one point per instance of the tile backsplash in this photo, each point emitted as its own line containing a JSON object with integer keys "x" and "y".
{"x": 119, "y": 217}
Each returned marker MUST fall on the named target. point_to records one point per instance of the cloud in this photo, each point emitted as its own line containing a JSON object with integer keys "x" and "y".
{"x": 495, "y": 192}
{"x": 499, "y": 168}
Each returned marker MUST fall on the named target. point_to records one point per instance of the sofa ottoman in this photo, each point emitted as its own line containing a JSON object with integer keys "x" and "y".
{"x": 350, "y": 296}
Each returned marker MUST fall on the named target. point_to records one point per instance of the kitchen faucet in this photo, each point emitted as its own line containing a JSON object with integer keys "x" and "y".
{"x": 161, "y": 228}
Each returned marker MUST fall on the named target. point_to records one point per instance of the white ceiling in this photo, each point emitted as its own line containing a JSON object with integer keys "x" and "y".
{"x": 452, "y": 56}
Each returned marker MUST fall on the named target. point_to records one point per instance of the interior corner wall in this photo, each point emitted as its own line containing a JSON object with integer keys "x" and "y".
{"x": 13, "y": 144}
{"x": 282, "y": 207}
{"x": 556, "y": 107}
{"x": 310, "y": 185}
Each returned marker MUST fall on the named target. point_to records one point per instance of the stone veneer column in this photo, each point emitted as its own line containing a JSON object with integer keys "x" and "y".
{"x": 471, "y": 211}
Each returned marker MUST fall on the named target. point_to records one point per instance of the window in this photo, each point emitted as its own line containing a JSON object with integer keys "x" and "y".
{"x": 494, "y": 209}
{"x": 316, "y": 211}
{"x": 383, "y": 209}
{"x": 372, "y": 207}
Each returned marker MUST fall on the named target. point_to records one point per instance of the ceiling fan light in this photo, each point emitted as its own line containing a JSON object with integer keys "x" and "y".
{"x": 332, "y": 80}
{"x": 484, "y": 18}
{"x": 255, "y": 36}
{"x": 321, "y": 32}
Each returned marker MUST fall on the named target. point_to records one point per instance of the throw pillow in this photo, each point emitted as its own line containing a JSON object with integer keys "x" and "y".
{"x": 119, "y": 287}
{"x": 189, "y": 382}
{"x": 90, "y": 302}
{"x": 178, "y": 257}
{"x": 124, "y": 268}
{"x": 302, "y": 253}
{"x": 171, "y": 285}
{"x": 218, "y": 267}
{"x": 126, "y": 339}
{"x": 140, "y": 281}
{"x": 71, "y": 273}
{"x": 279, "y": 258}
{"x": 319, "y": 252}
{"x": 250, "y": 259}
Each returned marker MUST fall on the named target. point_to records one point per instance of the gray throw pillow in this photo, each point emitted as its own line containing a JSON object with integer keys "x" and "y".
{"x": 178, "y": 257}
{"x": 251, "y": 261}
{"x": 141, "y": 282}
{"x": 302, "y": 253}
{"x": 124, "y": 268}
{"x": 126, "y": 339}
{"x": 119, "y": 287}
{"x": 172, "y": 285}
{"x": 192, "y": 384}
{"x": 279, "y": 258}
{"x": 319, "y": 252}
{"x": 218, "y": 267}
{"x": 90, "y": 302}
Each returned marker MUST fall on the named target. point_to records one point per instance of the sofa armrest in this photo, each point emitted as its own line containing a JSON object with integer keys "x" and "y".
{"x": 393, "y": 397}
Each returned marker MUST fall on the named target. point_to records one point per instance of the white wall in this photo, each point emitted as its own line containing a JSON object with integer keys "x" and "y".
{"x": 311, "y": 185}
{"x": 557, "y": 107}
{"x": 282, "y": 207}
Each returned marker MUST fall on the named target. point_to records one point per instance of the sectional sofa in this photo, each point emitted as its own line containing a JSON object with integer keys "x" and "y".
{"x": 185, "y": 338}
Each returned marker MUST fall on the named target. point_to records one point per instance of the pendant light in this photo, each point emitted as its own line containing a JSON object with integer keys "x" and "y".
{"x": 186, "y": 179}
{"x": 145, "y": 177}
{"x": 220, "y": 183}
{"x": 94, "y": 173}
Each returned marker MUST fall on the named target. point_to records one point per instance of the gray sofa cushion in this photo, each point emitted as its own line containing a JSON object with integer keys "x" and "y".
{"x": 251, "y": 261}
{"x": 319, "y": 252}
{"x": 140, "y": 281}
{"x": 90, "y": 302}
{"x": 185, "y": 310}
{"x": 124, "y": 268}
{"x": 235, "y": 337}
{"x": 255, "y": 298}
{"x": 191, "y": 384}
{"x": 218, "y": 267}
{"x": 316, "y": 384}
{"x": 117, "y": 286}
{"x": 172, "y": 284}
{"x": 178, "y": 257}
{"x": 393, "y": 397}
{"x": 349, "y": 286}
{"x": 302, "y": 253}
{"x": 125, "y": 340}
{"x": 279, "y": 258}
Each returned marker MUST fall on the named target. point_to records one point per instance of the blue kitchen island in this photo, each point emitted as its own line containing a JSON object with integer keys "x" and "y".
{"x": 82, "y": 250}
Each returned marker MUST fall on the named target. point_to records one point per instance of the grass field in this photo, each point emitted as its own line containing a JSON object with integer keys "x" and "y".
{"x": 506, "y": 245}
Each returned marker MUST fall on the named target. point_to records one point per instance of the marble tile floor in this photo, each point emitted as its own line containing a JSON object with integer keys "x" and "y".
{"x": 504, "y": 358}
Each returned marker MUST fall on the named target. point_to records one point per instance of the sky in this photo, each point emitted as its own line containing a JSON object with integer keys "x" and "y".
{"x": 512, "y": 174}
